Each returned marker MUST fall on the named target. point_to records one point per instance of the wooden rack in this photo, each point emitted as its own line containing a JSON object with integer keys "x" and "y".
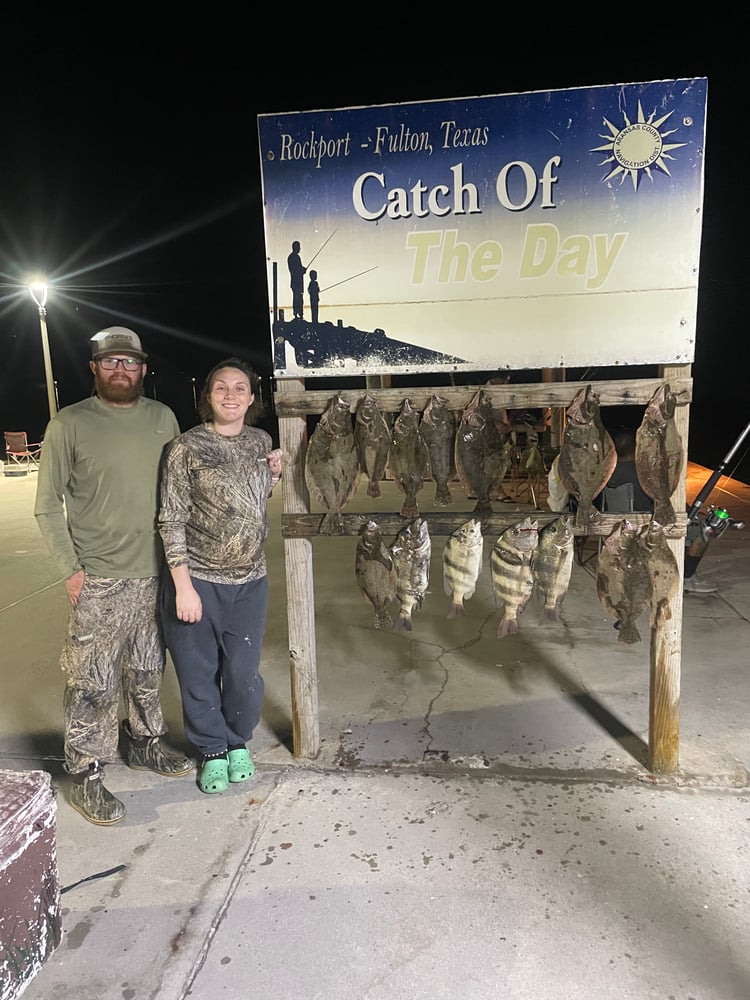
{"x": 294, "y": 403}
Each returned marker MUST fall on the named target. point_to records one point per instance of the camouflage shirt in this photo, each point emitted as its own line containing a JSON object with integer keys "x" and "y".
{"x": 213, "y": 515}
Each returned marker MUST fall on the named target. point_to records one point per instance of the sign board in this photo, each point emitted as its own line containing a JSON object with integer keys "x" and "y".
{"x": 537, "y": 230}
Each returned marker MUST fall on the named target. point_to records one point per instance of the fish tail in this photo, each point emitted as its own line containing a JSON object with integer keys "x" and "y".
{"x": 403, "y": 623}
{"x": 664, "y": 513}
{"x": 456, "y": 610}
{"x": 582, "y": 516}
{"x": 483, "y": 506}
{"x": 508, "y": 626}
{"x": 332, "y": 524}
{"x": 548, "y": 614}
{"x": 628, "y": 633}
{"x": 383, "y": 619}
{"x": 443, "y": 496}
{"x": 373, "y": 489}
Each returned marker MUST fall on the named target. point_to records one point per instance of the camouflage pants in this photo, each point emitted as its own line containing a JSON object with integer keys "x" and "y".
{"x": 114, "y": 644}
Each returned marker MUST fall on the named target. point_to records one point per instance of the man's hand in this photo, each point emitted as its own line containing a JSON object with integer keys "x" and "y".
{"x": 74, "y": 585}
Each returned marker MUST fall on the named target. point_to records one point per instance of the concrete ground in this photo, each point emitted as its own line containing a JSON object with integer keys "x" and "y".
{"x": 479, "y": 822}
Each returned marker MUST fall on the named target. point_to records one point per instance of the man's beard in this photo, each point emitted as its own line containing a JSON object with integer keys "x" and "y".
{"x": 119, "y": 391}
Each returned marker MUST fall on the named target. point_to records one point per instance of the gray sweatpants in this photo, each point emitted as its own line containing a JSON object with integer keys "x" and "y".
{"x": 114, "y": 643}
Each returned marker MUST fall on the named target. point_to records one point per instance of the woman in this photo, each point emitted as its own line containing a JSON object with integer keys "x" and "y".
{"x": 216, "y": 479}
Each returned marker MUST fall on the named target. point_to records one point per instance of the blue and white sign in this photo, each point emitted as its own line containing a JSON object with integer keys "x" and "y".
{"x": 539, "y": 230}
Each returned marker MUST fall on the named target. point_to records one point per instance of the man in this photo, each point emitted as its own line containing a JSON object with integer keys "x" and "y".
{"x": 96, "y": 506}
{"x": 297, "y": 273}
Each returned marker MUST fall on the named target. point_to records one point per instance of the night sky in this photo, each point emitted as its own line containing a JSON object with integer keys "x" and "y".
{"x": 131, "y": 178}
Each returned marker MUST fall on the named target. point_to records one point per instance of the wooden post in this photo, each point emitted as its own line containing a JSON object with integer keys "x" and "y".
{"x": 557, "y": 419}
{"x": 299, "y": 582}
{"x": 666, "y": 640}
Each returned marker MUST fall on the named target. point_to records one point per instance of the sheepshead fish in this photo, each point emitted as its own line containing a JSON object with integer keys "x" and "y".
{"x": 552, "y": 565}
{"x": 409, "y": 458}
{"x": 659, "y": 453}
{"x": 623, "y": 584}
{"x": 373, "y": 437}
{"x": 411, "y": 551}
{"x": 462, "y": 561}
{"x": 375, "y": 572}
{"x": 478, "y": 443}
{"x": 587, "y": 454}
{"x": 663, "y": 570}
{"x": 331, "y": 464}
{"x": 512, "y": 575}
{"x": 439, "y": 432}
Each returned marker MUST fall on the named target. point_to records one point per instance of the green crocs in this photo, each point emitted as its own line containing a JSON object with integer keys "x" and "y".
{"x": 241, "y": 765}
{"x": 214, "y": 776}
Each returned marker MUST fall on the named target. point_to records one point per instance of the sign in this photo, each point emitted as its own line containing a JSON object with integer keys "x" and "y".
{"x": 538, "y": 230}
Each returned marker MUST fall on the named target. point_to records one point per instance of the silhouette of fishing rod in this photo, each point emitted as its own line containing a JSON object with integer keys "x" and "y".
{"x": 350, "y": 278}
{"x": 321, "y": 248}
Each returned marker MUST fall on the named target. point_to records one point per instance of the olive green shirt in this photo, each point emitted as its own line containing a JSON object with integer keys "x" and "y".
{"x": 97, "y": 492}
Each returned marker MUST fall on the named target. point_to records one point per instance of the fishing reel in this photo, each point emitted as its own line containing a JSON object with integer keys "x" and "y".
{"x": 716, "y": 520}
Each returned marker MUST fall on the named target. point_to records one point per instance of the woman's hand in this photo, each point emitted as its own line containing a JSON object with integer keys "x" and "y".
{"x": 189, "y": 606}
{"x": 274, "y": 463}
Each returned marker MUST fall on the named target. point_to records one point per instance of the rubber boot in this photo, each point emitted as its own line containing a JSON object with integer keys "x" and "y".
{"x": 148, "y": 753}
{"x": 92, "y": 800}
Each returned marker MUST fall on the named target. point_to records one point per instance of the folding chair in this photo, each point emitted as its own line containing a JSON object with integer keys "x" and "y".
{"x": 19, "y": 453}
{"x": 618, "y": 499}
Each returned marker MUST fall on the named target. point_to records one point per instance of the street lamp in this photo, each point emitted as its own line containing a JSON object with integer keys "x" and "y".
{"x": 38, "y": 292}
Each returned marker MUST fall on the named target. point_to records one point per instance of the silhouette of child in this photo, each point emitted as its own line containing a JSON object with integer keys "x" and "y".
{"x": 313, "y": 293}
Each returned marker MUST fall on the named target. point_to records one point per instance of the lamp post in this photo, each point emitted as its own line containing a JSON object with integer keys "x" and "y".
{"x": 38, "y": 292}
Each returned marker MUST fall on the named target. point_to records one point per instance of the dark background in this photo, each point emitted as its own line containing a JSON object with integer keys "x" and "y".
{"x": 130, "y": 176}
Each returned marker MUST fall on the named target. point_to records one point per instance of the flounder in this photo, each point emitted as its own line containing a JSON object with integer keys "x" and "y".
{"x": 409, "y": 458}
{"x": 587, "y": 454}
{"x": 375, "y": 572}
{"x": 332, "y": 465}
{"x": 659, "y": 453}
{"x": 623, "y": 584}
{"x": 373, "y": 437}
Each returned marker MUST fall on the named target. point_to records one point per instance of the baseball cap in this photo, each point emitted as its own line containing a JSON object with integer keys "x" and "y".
{"x": 117, "y": 340}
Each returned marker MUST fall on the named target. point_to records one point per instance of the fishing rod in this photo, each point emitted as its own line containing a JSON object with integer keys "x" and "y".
{"x": 350, "y": 278}
{"x": 320, "y": 248}
{"x": 712, "y": 480}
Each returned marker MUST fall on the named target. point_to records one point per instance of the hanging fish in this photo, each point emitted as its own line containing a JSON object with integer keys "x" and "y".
{"x": 659, "y": 453}
{"x": 375, "y": 572}
{"x": 552, "y": 566}
{"x": 497, "y": 463}
{"x": 512, "y": 575}
{"x": 439, "y": 432}
{"x": 408, "y": 458}
{"x": 332, "y": 465}
{"x": 373, "y": 438}
{"x": 623, "y": 584}
{"x": 411, "y": 551}
{"x": 462, "y": 561}
{"x": 477, "y": 443}
{"x": 662, "y": 569}
{"x": 587, "y": 454}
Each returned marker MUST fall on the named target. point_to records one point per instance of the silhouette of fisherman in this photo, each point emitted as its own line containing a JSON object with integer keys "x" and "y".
{"x": 313, "y": 293}
{"x": 297, "y": 273}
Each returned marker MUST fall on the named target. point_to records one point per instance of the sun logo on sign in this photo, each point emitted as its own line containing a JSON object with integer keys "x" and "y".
{"x": 637, "y": 147}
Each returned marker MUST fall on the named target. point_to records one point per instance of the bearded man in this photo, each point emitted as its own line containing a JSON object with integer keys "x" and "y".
{"x": 96, "y": 506}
